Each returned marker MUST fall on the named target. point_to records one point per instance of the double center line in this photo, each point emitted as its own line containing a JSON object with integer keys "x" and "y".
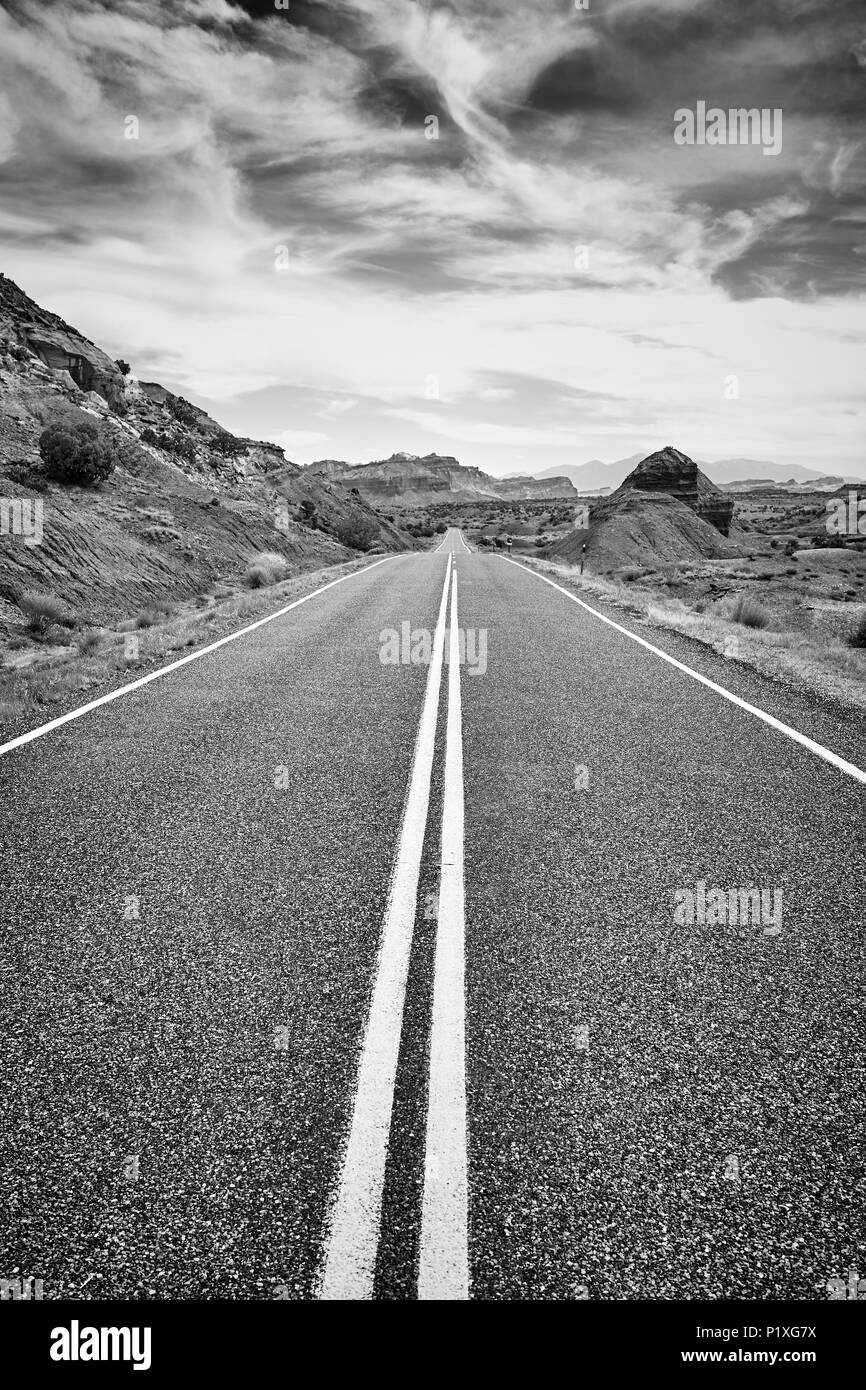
{"x": 353, "y": 1238}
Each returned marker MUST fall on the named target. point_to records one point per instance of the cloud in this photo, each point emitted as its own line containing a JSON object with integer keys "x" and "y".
{"x": 292, "y": 440}
{"x": 455, "y": 257}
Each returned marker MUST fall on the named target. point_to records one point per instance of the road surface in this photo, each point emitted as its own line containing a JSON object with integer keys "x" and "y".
{"x": 338, "y": 967}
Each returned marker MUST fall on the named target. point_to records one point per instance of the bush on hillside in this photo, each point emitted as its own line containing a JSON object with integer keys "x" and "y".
{"x": 76, "y": 453}
{"x": 358, "y": 533}
{"x": 858, "y": 636}
{"x": 43, "y": 611}
{"x": 226, "y": 444}
{"x": 182, "y": 411}
{"x": 749, "y": 613}
{"x": 266, "y": 569}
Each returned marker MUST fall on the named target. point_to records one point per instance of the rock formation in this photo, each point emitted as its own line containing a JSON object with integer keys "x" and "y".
{"x": 60, "y": 347}
{"x": 671, "y": 472}
{"x": 666, "y": 510}
{"x": 188, "y": 503}
{"x": 407, "y": 480}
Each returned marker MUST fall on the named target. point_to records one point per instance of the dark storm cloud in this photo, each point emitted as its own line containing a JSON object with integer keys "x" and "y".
{"x": 807, "y": 256}
{"x": 302, "y": 134}
{"x": 317, "y": 115}
{"x": 585, "y": 80}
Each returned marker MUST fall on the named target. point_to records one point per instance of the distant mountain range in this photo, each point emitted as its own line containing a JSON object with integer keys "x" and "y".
{"x": 411, "y": 480}
{"x": 596, "y": 475}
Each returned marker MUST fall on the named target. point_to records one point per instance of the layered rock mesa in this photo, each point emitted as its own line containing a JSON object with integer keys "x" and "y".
{"x": 676, "y": 475}
{"x": 665, "y": 510}
{"x": 411, "y": 480}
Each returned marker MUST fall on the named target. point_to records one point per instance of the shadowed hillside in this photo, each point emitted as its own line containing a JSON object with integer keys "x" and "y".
{"x": 187, "y": 504}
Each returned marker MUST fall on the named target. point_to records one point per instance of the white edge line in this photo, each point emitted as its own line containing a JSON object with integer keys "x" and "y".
{"x": 353, "y": 1235}
{"x": 175, "y": 665}
{"x": 466, "y": 548}
{"x": 443, "y": 1272}
{"x": 850, "y": 769}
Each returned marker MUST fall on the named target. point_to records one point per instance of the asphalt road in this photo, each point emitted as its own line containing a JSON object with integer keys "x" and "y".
{"x": 237, "y": 902}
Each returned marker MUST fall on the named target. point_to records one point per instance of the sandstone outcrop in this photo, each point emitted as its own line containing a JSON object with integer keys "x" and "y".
{"x": 675, "y": 474}
{"x": 410, "y": 480}
{"x": 666, "y": 510}
{"x": 60, "y": 347}
{"x": 188, "y": 503}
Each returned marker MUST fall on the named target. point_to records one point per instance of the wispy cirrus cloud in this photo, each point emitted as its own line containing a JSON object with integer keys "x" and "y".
{"x": 552, "y": 232}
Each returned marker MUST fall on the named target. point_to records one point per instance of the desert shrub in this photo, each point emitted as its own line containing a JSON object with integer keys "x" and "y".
{"x": 153, "y": 614}
{"x": 749, "y": 613}
{"x": 175, "y": 443}
{"x": 15, "y": 350}
{"x": 183, "y": 448}
{"x": 266, "y": 569}
{"x": 76, "y": 453}
{"x": 161, "y": 535}
{"x": 224, "y": 443}
{"x": 307, "y": 512}
{"x": 182, "y": 410}
{"x": 88, "y": 642}
{"x": 123, "y": 367}
{"x": 359, "y": 533}
{"x": 858, "y": 636}
{"x": 44, "y": 610}
{"x": 21, "y": 472}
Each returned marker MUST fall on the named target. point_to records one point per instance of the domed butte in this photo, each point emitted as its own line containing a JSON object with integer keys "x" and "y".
{"x": 674, "y": 473}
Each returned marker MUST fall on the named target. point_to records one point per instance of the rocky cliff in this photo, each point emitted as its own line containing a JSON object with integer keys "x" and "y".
{"x": 410, "y": 480}
{"x": 68, "y": 355}
{"x": 189, "y": 504}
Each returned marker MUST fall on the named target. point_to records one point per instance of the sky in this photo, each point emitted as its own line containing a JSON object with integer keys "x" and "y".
{"x": 369, "y": 226}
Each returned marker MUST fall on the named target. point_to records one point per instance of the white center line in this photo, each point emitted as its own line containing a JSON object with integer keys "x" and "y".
{"x": 444, "y": 1263}
{"x": 350, "y": 1258}
{"x": 850, "y": 769}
